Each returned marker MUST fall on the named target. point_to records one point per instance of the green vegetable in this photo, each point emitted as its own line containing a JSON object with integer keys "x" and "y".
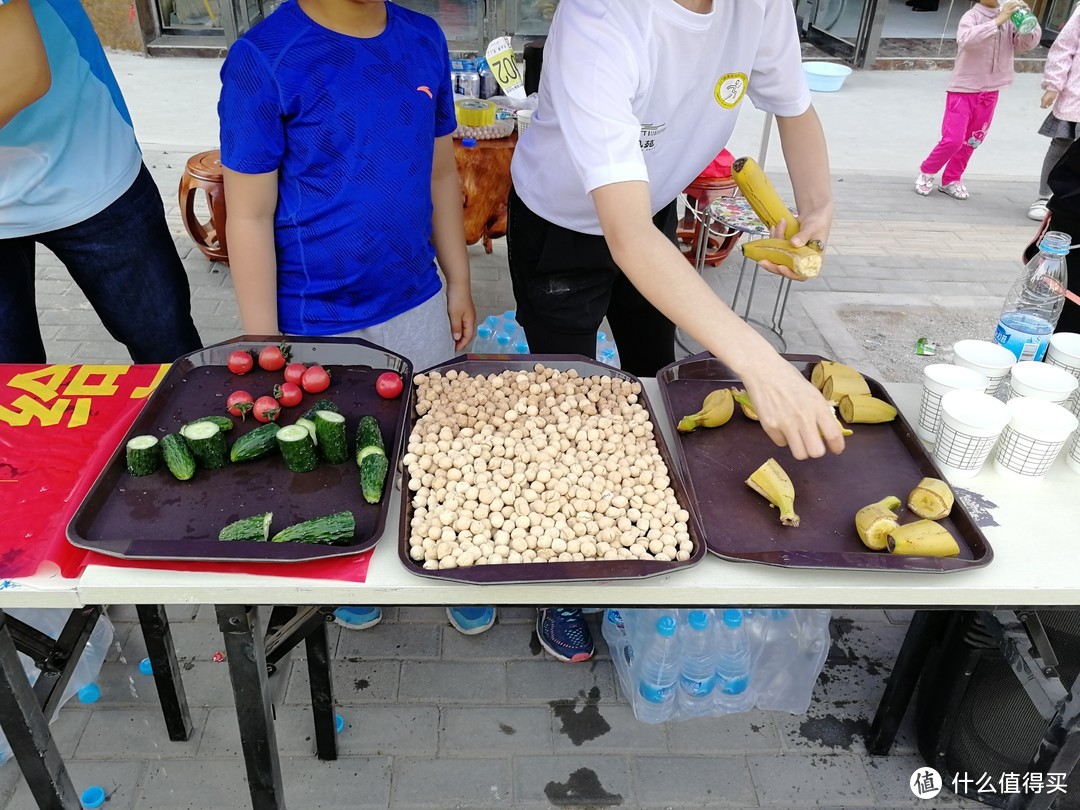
{"x": 207, "y": 444}
{"x": 255, "y": 528}
{"x": 177, "y": 455}
{"x": 143, "y": 455}
{"x": 368, "y": 439}
{"x": 309, "y": 426}
{"x": 330, "y": 430}
{"x": 321, "y": 405}
{"x": 373, "y": 469}
{"x": 223, "y": 422}
{"x": 262, "y": 441}
{"x": 297, "y": 448}
{"x": 332, "y": 530}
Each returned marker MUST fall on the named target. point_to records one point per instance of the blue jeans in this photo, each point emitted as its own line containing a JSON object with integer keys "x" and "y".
{"x": 126, "y": 264}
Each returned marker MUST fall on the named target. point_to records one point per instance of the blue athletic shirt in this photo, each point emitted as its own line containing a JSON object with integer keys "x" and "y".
{"x": 350, "y": 125}
{"x": 72, "y": 153}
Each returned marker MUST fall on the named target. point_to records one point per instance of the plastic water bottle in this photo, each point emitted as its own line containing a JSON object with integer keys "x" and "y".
{"x": 606, "y": 351}
{"x": 510, "y": 324}
{"x": 493, "y": 322}
{"x": 773, "y": 675}
{"x": 521, "y": 346}
{"x": 698, "y": 673}
{"x": 1034, "y": 303}
{"x": 616, "y": 635}
{"x": 733, "y": 664}
{"x": 502, "y": 343}
{"x": 658, "y": 673}
{"x": 484, "y": 342}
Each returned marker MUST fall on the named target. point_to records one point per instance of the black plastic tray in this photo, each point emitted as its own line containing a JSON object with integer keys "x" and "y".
{"x": 157, "y": 517}
{"x": 878, "y": 461}
{"x": 550, "y": 571}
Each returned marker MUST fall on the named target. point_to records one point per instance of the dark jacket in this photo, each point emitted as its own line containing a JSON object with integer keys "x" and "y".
{"x": 1064, "y": 208}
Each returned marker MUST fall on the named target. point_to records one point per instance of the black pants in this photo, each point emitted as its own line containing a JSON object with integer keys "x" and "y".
{"x": 565, "y": 282}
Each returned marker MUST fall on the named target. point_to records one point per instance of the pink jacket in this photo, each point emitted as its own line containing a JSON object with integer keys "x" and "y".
{"x": 984, "y": 52}
{"x": 1062, "y": 71}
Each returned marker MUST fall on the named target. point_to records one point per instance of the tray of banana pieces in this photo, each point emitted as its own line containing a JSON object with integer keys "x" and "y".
{"x": 879, "y": 505}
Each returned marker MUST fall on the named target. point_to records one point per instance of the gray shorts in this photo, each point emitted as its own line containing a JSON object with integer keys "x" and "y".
{"x": 422, "y": 333}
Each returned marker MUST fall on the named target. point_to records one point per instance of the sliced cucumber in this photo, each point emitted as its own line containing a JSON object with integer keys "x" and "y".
{"x": 178, "y": 457}
{"x": 297, "y": 448}
{"x": 330, "y": 432}
{"x": 332, "y": 530}
{"x": 308, "y": 425}
{"x": 321, "y": 405}
{"x": 223, "y": 422}
{"x": 262, "y": 441}
{"x": 207, "y": 444}
{"x": 143, "y": 455}
{"x": 373, "y": 469}
{"x": 368, "y": 439}
{"x": 255, "y": 528}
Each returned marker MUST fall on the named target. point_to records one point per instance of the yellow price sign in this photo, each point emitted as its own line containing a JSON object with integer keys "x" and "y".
{"x": 503, "y": 64}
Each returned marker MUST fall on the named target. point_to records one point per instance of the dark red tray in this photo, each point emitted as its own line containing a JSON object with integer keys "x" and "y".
{"x": 157, "y": 517}
{"x": 549, "y": 571}
{"x": 878, "y": 461}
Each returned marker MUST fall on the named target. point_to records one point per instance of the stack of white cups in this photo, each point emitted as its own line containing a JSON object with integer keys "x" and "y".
{"x": 938, "y": 380}
{"x": 1064, "y": 352}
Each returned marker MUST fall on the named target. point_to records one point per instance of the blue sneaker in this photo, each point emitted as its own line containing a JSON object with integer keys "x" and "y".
{"x": 358, "y": 618}
{"x": 471, "y": 620}
{"x": 564, "y": 634}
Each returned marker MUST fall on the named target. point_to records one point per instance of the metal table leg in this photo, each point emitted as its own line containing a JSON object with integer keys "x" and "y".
{"x": 170, "y": 685}
{"x": 322, "y": 692}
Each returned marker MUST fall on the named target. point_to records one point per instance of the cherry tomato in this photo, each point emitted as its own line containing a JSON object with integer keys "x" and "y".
{"x": 241, "y": 362}
{"x": 273, "y": 358}
{"x": 266, "y": 409}
{"x": 239, "y": 403}
{"x": 315, "y": 379}
{"x": 293, "y": 372}
{"x": 288, "y": 394}
{"x": 389, "y": 385}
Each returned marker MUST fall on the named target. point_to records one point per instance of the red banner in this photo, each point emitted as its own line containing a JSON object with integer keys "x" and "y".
{"x": 59, "y": 425}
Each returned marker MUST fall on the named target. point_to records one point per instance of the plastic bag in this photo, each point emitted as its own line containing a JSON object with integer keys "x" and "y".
{"x": 51, "y": 622}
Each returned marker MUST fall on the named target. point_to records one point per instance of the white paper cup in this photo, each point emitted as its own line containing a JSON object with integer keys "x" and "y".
{"x": 971, "y": 422}
{"x": 1033, "y": 439}
{"x": 524, "y": 118}
{"x": 938, "y": 380}
{"x": 1064, "y": 352}
{"x": 1073, "y": 461}
{"x": 1041, "y": 381}
{"x": 985, "y": 357}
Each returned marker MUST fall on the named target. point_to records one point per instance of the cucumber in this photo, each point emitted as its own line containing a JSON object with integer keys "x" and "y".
{"x": 321, "y": 405}
{"x": 372, "y": 475}
{"x": 262, "y": 441}
{"x": 330, "y": 430}
{"x": 207, "y": 444}
{"x": 309, "y": 426}
{"x": 332, "y": 530}
{"x": 368, "y": 439}
{"x": 297, "y": 448}
{"x": 224, "y": 423}
{"x": 177, "y": 455}
{"x": 143, "y": 455}
{"x": 256, "y": 527}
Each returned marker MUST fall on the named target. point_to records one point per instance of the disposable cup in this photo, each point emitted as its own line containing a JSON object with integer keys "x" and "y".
{"x": 971, "y": 422}
{"x": 985, "y": 357}
{"x": 938, "y": 380}
{"x": 524, "y": 118}
{"x": 1041, "y": 381}
{"x": 1033, "y": 439}
{"x": 1073, "y": 461}
{"x": 1064, "y": 352}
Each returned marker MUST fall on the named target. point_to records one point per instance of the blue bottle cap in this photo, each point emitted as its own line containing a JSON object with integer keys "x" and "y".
{"x": 468, "y": 143}
{"x": 607, "y": 356}
{"x": 521, "y": 347}
{"x": 92, "y": 797}
{"x": 733, "y": 617}
{"x": 89, "y": 693}
{"x": 502, "y": 339}
{"x": 698, "y": 619}
{"x": 510, "y": 315}
{"x": 665, "y": 625}
{"x": 601, "y": 336}
{"x": 145, "y": 667}
{"x": 483, "y": 331}
{"x": 339, "y": 723}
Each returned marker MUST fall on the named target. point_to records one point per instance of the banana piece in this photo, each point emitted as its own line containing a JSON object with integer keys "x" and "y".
{"x": 865, "y": 410}
{"x": 743, "y": 398}
{"x": 827, "y": 368}
{"x": 773, "y": 484}
{"x": 876, "y": 522}
{"x": 836, "y": 387}
{"x": 763, "y": 197}
{"x": 925, "y": 538}
{"x": 715, "y": 411}
{"x": 931, "y": 499}
{"x": 804, "y": 261}
{"x": 844, "y": 429}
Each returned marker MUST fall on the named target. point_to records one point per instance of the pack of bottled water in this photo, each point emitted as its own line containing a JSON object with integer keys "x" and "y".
{"x": 502, "y": 334}
{"x": 676, "y": 664}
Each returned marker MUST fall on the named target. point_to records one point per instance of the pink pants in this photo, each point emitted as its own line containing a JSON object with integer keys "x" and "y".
{"x": 967, "y": 118}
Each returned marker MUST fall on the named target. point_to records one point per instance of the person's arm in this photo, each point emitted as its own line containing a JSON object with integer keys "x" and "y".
{"x": 1059, "y": 60}
{"x": 792, "y": 411}
{"x": 1025, "y": 42}
{"x": 974, "y": 28}
{"x": 249, "y": 230}
{"x": 807, "y": 159}
{"x": 24, "y": 66}
{"x": 448, "y": 236}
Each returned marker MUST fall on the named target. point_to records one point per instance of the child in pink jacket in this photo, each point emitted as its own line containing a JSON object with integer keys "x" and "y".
{"x": 985, "y": 44}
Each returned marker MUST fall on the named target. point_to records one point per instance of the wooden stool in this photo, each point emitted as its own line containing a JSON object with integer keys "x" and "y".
{"x": 203, "y": 171}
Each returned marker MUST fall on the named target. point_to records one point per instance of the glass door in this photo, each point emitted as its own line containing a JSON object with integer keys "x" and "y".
{"x": 239, "y": 15}
{"x": 848, "y": 29}
{"x": 462, "y": 21}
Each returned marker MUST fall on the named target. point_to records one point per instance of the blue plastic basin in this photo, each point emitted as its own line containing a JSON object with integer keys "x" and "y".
{"x": 825, "y": 77}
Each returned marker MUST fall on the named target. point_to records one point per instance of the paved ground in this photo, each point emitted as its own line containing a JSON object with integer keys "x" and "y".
{"x": 438, "y": 720}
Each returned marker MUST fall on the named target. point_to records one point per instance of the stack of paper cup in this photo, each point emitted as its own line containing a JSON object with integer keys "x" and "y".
{"x": 1064, "y": 352}
{"x": 1041, "y": 381}
{"x": 938, "y": 380}
{"x": 985, "y": 357}
{"x": 971, "y": 422}
{"x": 524, "y": 118}
{"x": 1033, "y": 439}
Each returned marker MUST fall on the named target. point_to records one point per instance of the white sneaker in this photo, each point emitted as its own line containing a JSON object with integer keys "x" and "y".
{"x": 1038, "y": 210}
{"x": 924, "y": 184}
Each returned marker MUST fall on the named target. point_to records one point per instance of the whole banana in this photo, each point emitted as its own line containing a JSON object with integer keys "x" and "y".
{"x": 876, "y": 522}
{"x": 773, "y": 484}
{"x": 804, "y": 261}
{"x": 763, "y": 197}
{"x": 715, "y": 411}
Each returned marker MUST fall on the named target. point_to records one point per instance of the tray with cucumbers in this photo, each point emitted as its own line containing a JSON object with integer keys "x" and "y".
{"x": 259, "y": 448}
{"x": 879, "y": 505}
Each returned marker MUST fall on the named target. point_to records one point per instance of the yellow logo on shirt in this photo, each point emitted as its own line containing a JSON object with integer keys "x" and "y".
{"x": 730, "y": 89}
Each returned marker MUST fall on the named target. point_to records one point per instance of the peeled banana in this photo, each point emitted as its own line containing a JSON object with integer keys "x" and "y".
{"x": 876, "y": 522}
{"x": 931, "y": 499}
{"x": 837, "y": 387}
{"x": 773, "y": 484}
{"x": 743, "y": 398}
{"x": 827, "y": 368}
{"x": 715, "y": 411}
{"x": 763, "y": 198}
{"x": 925, "y": 538}
{"x": 865, "y": 410}
{"x": 804, "y": 261}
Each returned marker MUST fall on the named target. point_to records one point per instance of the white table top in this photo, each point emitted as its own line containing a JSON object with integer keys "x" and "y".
{"x": 1036, "y": 563}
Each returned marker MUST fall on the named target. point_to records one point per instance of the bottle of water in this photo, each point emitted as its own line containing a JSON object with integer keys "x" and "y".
{"x": 493, "y": 322}
{"x": 484, "y": 342}
{"x": 697, "y": 675}
{"x": 606, "y": 351}
{"x": 510, "y": 324}
{"x": 773, "y": 675}
{"x": 1034, "y": 303}
{"x": 502, "y": 343}
{"x": 658, "y": 673}
{"x": 521, "y": 346}
{"x": 733, "y": 664}
{"x": 616, "y": 635}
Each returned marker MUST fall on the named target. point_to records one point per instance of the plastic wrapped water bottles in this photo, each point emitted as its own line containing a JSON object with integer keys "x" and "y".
{"x": 503, "y": 343}
{"x": 606, "y": 351}
{"x": 511, "y": 326}
{"x": 484, "y": 342}
{"x": 521, "y": 346}
{"x": 697, "y": 674}
{"x": 658, "y": 672}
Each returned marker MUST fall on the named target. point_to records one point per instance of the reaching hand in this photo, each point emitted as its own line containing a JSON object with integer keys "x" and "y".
{"x": 459, "y": 306}
{"x": 1007, "y": 10}
{"x": 814, "y": 231}
{"x": 1048, "y": 99}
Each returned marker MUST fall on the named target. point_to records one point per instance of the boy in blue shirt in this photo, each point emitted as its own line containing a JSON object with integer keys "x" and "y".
{"x": 337, "y": 121}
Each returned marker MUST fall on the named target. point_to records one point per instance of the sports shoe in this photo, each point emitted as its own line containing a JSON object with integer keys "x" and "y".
{"x": 955, "y": 189}
{"x": 924, "y": 184}
{"x": 564, "y": 634}
{"x": 471, "y": 620}
{"x": 1038, "y": 210}
{"x": 358, "y": 618}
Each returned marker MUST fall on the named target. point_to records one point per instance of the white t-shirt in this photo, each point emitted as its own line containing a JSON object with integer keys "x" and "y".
{"x": 648, "y": 90}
